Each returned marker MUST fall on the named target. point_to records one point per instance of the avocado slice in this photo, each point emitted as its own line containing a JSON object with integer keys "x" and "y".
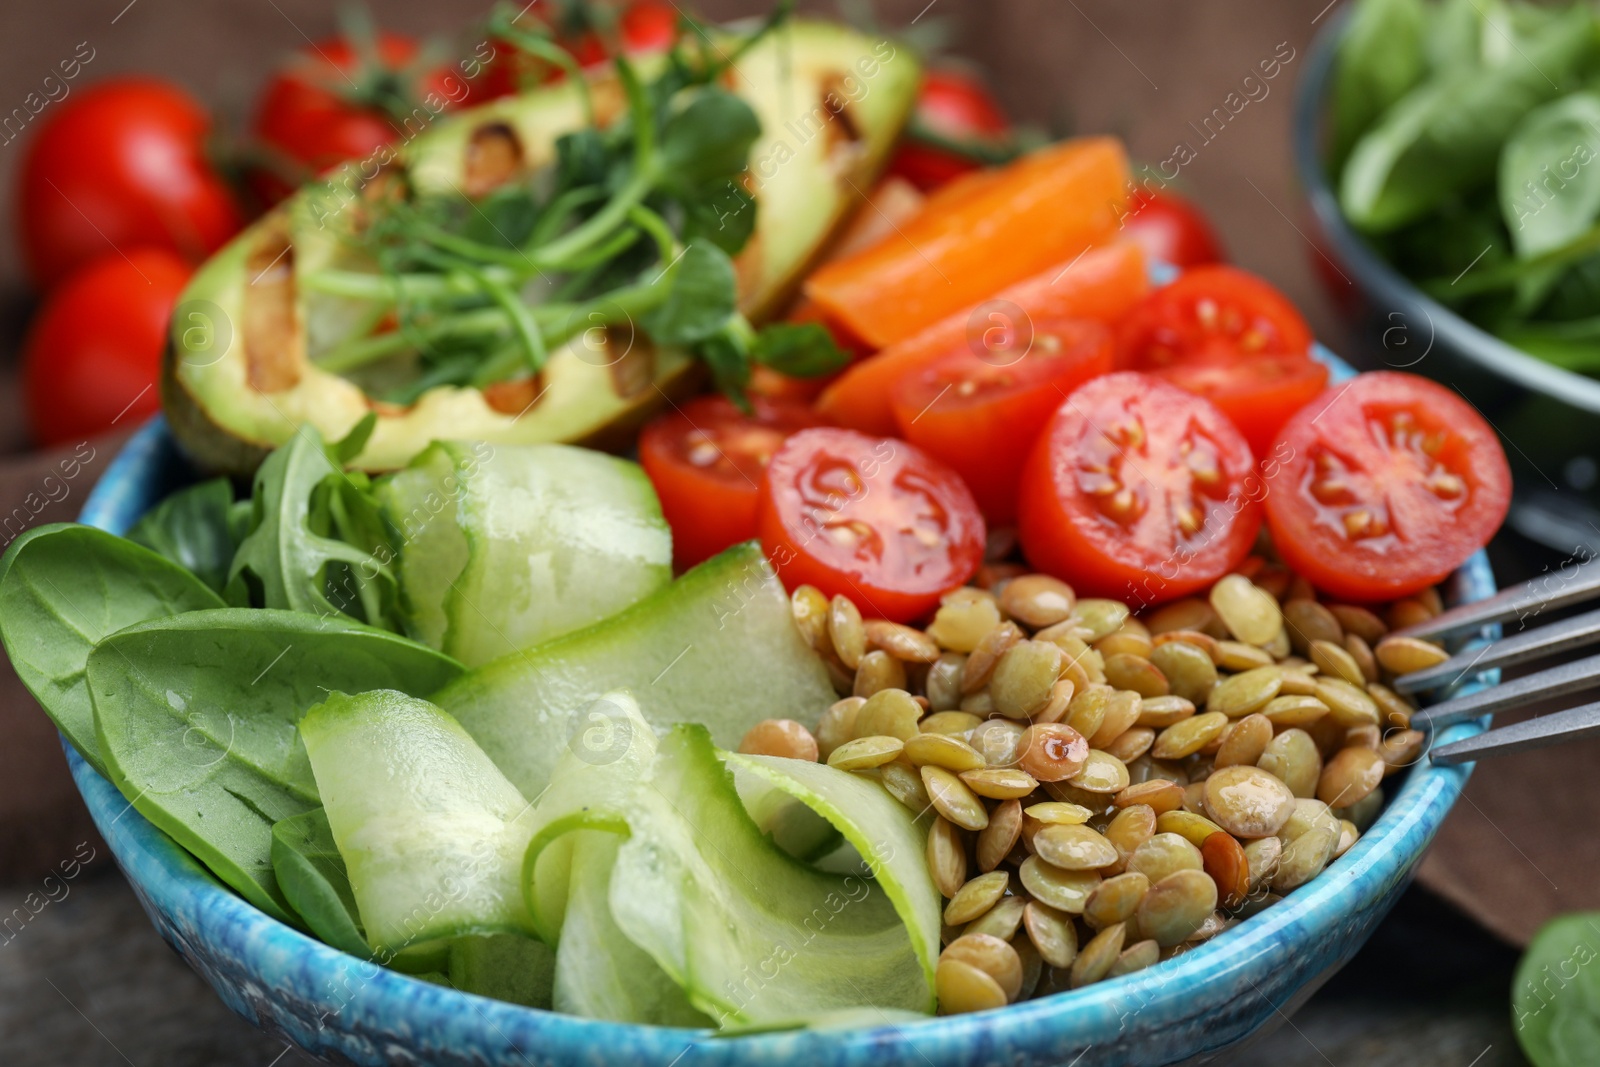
{"x": 240, "y": 373}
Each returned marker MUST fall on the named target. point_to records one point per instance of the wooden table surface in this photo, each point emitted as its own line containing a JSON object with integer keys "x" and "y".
{"x": 87, "y": 982}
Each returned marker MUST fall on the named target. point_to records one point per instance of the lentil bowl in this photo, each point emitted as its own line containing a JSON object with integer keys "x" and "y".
{"x": 1189, "y": 1009}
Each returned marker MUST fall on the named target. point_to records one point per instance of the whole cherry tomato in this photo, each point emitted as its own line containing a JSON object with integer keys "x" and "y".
{"x": 955, "y": 108}
{"x": 1139, "y": 491}
{"x": 707, "y": 460}
{"x": 331, "y": 103}
{"x": 118, "y": 165}
{"x": 92, "y": 358}
{"x": 1171, "y": 229}
{"x": 1387, "y": 484}
{"x": 870, "y": 518}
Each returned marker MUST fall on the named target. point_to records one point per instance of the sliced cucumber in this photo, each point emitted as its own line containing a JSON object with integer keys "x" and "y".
{"x": 888, "y": 839}
{"x": 433, "y": 836}
{"x": 600, "y": 974}
{"x": 793, "y": 826}
{"x": 605, "y": 757}
{"x": 503, "y": 547}
{"x": 718, "y": 647}
{"x": 749, "y": 932}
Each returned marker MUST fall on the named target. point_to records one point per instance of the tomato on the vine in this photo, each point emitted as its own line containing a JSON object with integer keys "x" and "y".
{"x": 1138, "y": 490}
{"x": 1171, "y": 229}
{"x": 707, "y": 460}
{"x": 332, "y": 103}
{"x": 1388, "y": 483}
{"x": 953, "y": 109}
{"x": 121, "y": 164}
{"x": 1211, "y": 313}
{"x": 981, "y": 415}
{"x": 644, "y": 27}
{"x": 92, "y": 358}
{"x": 871, "y": 518}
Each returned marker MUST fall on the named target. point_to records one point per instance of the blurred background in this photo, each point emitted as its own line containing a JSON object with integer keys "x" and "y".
{"x": 88, "y": 982}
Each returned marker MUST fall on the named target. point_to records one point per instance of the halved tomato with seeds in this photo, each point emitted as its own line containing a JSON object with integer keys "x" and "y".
{"x": 1258, "y": 395}
{"x": 1212, "y": 313}
{"x": 1389, "y": 483}
{"x": 1138, "y": 490}
{"x": 707, "y": 459}
{"x": 981, "y": 415}
{"x": 871, "y": 518}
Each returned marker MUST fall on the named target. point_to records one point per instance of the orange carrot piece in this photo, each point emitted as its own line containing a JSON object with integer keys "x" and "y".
{"x": 986, "y": 232}
{"x": 1102, "y": 284}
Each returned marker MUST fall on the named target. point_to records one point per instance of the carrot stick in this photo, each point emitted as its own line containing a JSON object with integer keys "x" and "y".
{"x": 1102, "y": 284}
{"x": 986, "y": 232}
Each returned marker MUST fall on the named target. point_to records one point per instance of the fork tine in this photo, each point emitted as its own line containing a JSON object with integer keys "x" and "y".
{"x": 1553, "y": 729}
{"x": 1579, "y": 631}
{"x": 1530, "y": 597}
{"x": 1556, "y": 681}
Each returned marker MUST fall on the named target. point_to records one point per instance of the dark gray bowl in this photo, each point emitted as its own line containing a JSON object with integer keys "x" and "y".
{"x": 1548, "y": 418}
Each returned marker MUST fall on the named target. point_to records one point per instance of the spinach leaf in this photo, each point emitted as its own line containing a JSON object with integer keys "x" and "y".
{"x": 1443, "y": 138}
{"x": 703, "y": 298}
{"x": 63, "y": 588}
{"x": 311, "y": 874}
{"x": 193, "y": 528}
{"x": 302, "y": 502}
{"x": 196, "y": 717}
{"x": 1455, "y": 35}
{"x": 1380, "y": 59}
{"x": 1550, "y": 174}
{"x": 798, "y": 349}
{"x": 1555, "y": 996}
{"x": 709, "y": 139}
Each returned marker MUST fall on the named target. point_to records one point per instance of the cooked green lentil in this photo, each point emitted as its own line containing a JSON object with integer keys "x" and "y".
{"x": 1108, "y": 790}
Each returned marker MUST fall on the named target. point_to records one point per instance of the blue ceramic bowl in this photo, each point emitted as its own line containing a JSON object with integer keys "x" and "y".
{"x": 337, "y": 1007}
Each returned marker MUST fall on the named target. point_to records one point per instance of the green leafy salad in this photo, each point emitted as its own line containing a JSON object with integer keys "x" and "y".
{"x": 1466, "y": 147}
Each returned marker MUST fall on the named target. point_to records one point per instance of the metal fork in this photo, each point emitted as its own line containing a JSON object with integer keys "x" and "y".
{"x": 1528, "y": 645}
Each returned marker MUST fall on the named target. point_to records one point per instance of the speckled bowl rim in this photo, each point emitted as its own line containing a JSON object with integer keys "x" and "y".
{"x": 1052, "y": 1028}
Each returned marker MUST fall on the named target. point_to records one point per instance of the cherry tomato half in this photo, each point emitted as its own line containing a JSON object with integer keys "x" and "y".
{"x": 93, "y": 354}
{"x": 1387, "y": 484}
{"x": 325, "y": 107}
{"x": 956, "y": 107}
{"x": 118, "y": 165}
{"x": 1171, "y": 229}
{"x": 1138, "y": 490}
{"x": 1214, "y": 313}
{"x": 871, "y": 518}
{"x": 1258, "y": 395}
{"x": 707, "y": 460}
{"x": 981, "y": 415}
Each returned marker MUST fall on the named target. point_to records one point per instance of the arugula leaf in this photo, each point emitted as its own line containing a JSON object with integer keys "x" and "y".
{"x": 799, "y": 349}
{"x": 63, "y": 588}
{"x": 311, "y": 874}
{"x": 1379, "y": 60}
{"x": 194, "y": 529}
{"x": 704, "y": 296}
{"x": 301, "y": 497}
{"x": 708, "y": 139}
{"x": 196, "y": 717}
{"x": 1443, "y": 138}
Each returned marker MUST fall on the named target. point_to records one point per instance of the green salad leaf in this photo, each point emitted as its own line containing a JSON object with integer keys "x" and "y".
{"x": 198, "y": 528}
{"x": 1381, "y": 58}
{"x": 63, "y": 588}
{"x": 1555, "y": 995}
{"x": 312, "y": 875}
{"x": 196, "y": 718}
{"x": 1549, "y": 177}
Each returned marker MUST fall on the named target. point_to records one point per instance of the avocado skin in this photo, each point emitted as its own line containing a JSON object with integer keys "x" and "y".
{"x": 211, "y": 447}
